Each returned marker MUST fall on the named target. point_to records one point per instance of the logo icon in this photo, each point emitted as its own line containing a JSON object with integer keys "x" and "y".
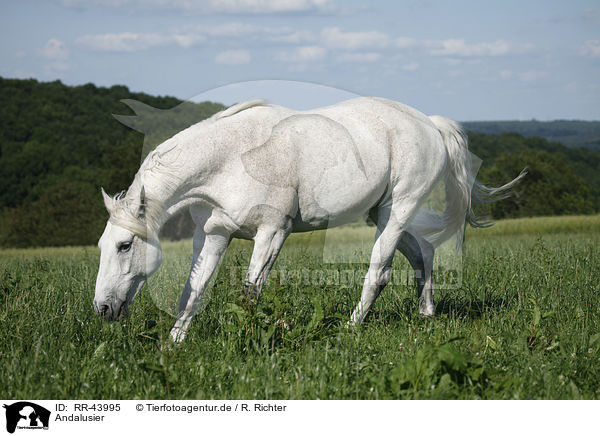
{"x": 24, "y": 414}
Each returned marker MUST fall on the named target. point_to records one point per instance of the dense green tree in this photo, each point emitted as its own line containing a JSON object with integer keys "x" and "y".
{"x": 68, "y": 212}
{"x": 583, "y": 162}
{"x": 572, "y": 133}
{"x": 60, "y": 144}
{"x": 550, "y": 188}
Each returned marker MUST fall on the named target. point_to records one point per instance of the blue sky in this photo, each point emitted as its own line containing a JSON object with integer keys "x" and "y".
{"x": 469, "y": 60}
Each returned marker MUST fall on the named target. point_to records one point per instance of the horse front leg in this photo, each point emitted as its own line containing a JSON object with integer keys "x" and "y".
{"x": 267, "y": 245}
{"x": 205, "y": 262}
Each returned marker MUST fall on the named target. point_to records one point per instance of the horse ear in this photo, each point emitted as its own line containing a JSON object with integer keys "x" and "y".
{"x": 141, "y": 213}
{"x": 108, "y": 200}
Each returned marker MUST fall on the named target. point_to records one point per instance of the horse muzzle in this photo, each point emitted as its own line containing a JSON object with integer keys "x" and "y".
{"x": 111, "y": 310}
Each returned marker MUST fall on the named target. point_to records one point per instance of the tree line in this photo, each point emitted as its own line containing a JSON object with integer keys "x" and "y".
{"x": 59, "y": 144}
{"x": 572, "y": 133}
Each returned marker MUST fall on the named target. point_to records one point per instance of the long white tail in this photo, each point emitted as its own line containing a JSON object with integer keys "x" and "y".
{"x": 461, "y": 189}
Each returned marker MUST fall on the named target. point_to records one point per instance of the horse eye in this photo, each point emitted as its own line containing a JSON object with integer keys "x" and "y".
{"x": 124, "y": 247}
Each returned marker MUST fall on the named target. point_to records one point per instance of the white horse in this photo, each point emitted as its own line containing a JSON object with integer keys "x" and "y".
{"x": 258, "y": 171}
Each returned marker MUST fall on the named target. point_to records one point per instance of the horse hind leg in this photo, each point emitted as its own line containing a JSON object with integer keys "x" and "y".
{"x": 420, "y": 254}
{"x": 390, "y": 228}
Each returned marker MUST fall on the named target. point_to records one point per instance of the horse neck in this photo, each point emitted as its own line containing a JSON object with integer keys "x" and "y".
{"x": 174, "y": 173}
{"x": 159, "y": 197}
{"x": 167, "y": 187}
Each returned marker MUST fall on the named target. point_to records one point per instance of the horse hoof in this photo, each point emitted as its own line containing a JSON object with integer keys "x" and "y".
{"x": 250, "y": 297}
{"x": 177, "y": 336}
{"x": 427, "y": 314}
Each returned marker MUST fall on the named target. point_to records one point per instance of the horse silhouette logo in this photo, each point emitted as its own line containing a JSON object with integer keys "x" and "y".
{"x": 26, "y": 415}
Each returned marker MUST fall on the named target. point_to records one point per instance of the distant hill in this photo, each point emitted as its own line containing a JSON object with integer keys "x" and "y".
{"x": 560, "y": 180}
{"x": 570, "y": 133}
{"x": 59, "y": 144}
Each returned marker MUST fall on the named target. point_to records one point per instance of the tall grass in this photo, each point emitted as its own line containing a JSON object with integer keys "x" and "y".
{"x": 524, "y": 324}
{"x": 541, "y": 226}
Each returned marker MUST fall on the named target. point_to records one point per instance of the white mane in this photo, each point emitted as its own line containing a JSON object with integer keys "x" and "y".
{"x": 232, "y": 110}
{"x": 124, "y": 212}
{"x": 124, "y": 208}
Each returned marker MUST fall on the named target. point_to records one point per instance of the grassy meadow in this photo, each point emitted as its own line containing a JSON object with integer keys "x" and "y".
{"x": 524, "y": 324}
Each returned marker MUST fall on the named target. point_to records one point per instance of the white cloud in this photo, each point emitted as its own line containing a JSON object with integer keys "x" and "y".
{"x": 304, "y": 54}
{"x": 532, "y": 76}
{"x": 334, "y": 38}
{"x": 294, "y": 37}
{"x": 591, "y": 48}
{"x": 237, "y": 29}
{"x": 54, "y": 49}
{"x": 571, "y": 87}
{"x": 265, "y": 6}
{"x": 128, "y": 42}
{"x": 56, "y": 66}
{"x": 453, "y": 61}
{"x": 233, "y": 57}
{"x": 232, "y": 29}
{"x": 186, "y": 40}
{"x": 405, "y": 42}
{"x": 185, "y": 37}
{"x": 526, "y": 76}
{"x": 359, "y": 57}
{"x": 210, "y": 6}
{"x": 412, "y": 66}
{"x": 458, "y": 47}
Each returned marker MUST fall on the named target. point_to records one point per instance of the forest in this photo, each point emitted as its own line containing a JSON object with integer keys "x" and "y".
{"x": 59, "y": 144}
{"x": 572, "y": 133}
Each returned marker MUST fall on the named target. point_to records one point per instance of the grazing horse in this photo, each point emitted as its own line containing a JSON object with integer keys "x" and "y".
{"x": 259, "y": 171}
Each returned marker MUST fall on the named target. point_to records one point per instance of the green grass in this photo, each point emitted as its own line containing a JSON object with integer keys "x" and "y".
{"x": 524, "y": 324}
{"x": 541, "y": 226}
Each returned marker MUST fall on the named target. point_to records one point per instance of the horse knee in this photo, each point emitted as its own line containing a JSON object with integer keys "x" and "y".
{"x": 380, "y": 278}
{"x": 384, "y": 277}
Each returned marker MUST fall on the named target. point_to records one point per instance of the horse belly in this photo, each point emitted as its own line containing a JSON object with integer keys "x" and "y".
{"x": 341, "y": 197}
{"x": 340, "y": 176}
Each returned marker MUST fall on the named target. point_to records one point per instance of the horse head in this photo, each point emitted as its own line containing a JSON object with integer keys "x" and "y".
{"x": 129, "y": 255}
